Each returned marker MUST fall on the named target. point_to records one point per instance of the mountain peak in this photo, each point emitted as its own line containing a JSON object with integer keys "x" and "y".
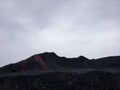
{"x": 82, "y": 58}
{"x": 49, "y": 54}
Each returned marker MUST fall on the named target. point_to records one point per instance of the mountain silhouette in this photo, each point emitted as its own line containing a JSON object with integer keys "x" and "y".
{"x": 108, "y": 62}
{"x": 48, "y": 71}
{"x": 51, "y": 61}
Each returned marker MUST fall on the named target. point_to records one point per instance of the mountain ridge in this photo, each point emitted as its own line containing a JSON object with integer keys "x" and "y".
{"x": 51, "y": 61}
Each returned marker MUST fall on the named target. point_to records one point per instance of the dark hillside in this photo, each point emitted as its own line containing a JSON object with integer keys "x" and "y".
{"x": 48, "y": 71}
{"x": 51, "y": 61}
{"x": 94, "y": 80}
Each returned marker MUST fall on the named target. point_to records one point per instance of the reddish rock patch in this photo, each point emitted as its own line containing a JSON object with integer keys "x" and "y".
{"x": 40, "y": 61}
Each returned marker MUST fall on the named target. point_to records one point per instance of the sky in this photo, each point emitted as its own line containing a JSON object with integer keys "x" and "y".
{"x": 67, "y": 27}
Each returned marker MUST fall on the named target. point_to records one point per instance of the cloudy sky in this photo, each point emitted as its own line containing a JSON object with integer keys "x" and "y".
{"x": 68, "y": 27}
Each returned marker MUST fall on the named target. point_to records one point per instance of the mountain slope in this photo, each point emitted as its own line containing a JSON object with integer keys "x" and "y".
{"x": 51, "y": 61}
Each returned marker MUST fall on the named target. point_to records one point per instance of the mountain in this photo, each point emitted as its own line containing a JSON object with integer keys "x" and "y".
{"x": 108, "y": 62}
{"x": 48, "y": 71}
{"x": 51, "y": 61}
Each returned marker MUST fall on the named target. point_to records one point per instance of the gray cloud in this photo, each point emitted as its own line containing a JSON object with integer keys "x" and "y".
{"x": 69, "y": 28}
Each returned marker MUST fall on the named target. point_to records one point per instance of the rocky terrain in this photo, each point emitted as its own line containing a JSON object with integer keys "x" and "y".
{"x": 93, "y": 80}
{"x": 48, "y": 71}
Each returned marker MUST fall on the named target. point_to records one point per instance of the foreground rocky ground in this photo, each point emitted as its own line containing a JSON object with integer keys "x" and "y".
{"x": 92, "y": 80}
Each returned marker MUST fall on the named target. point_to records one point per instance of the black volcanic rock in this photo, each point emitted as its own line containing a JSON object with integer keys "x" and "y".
{"x": 94, "y": 80}
{"x": 83, "y": 58}
{"x": 108, "y": 62}
{"x": 51, "y": 61}
{"x": 55, "y": 62}
{"x": 28, "y": 75}
{"x": 25, "y": 65}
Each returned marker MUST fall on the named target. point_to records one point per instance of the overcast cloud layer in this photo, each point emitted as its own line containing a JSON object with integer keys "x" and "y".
{"x": 68, "y": 27}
